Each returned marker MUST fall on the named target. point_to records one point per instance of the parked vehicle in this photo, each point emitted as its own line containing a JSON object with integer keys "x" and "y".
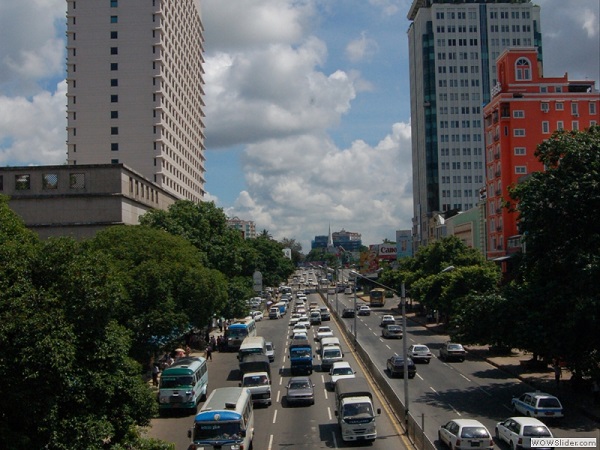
{"x": 452, "y": 351}
{"x": 420, "y": 352}
{"x": 257, "y": 315}
{"x": 300, "y": 390}
{"x": 301, "y": 357}
{"x": 518, "y": 431}
{"x": 538, "y": 404}
{"x": 259, "y": 385}
{"x": 227, "y": 416}
{"x": 465, "y": 434}
{"x": 395, "y": 366}
{"x": 392, "y": 331}
{"x": 183, "y": 385}
{"x": 354, "y": 410}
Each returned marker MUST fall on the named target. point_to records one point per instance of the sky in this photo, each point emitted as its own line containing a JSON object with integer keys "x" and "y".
{"x": 307, "y": 104}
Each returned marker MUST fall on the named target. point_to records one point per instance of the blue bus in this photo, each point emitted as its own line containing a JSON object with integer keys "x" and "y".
{"x": 239, "y": 330}
{"x": 183, "y": 385}
{"x": 225, "y": 421}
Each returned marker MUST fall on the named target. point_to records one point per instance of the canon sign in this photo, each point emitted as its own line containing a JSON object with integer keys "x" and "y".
{"x": 387, "y": 250}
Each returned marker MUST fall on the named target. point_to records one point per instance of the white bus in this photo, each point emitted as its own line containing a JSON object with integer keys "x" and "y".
{"x": 252, "y": 345}
{"x": 226, "y": 421}
{"x": 183, "y": 385}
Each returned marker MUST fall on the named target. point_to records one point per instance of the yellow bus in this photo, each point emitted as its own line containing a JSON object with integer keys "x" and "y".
{"x": 377, "y": 297}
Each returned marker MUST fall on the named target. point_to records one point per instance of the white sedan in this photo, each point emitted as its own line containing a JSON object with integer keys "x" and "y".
{"x": 323, "y": 332}
{"x": 466, "y": 434}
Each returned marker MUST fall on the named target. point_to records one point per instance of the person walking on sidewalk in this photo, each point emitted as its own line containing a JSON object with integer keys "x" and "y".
{"x": 155, "y": 372}
{"x": 557, "y": 372}
{"x": 209, "y": 351}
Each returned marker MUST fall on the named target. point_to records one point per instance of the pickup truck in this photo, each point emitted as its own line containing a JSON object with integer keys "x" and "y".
{"x": 354, "y": 410}
{"x": 301, "y": 357}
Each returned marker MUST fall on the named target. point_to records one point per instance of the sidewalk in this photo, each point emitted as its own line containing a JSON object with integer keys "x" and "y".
{"x": 539, "y": 378}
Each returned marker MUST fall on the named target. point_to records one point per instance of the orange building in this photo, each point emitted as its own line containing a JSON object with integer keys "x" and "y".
{"x": 524, "y": 110}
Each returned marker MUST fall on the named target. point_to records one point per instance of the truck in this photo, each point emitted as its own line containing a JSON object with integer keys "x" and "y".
{"x": 255, "y": 363}
{"x": 354, "y": 410}
{"x": 259, "y": 385}
{"x": 301, "y": 357}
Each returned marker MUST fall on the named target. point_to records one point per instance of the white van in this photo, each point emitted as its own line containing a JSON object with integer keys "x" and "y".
{"x": 329, "y": 341}
{"x": 254, "y": 345}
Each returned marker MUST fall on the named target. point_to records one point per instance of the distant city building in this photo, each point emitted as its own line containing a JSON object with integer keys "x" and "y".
{"x": 469, "y": 227}
{"x": 79, "y": 200}
{"x": 525, "y": 110}
{"x": 453, "y": 46}
{"x": 135, "y": 90}
{"x": 319, "y": 242}
{"x": 349, "y": 241}
{"x": 246, "y": 227}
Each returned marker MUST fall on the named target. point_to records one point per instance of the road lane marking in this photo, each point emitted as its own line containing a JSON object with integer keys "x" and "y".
{"x": 281, "y": 378}
{"x": 454, "y": 409}
{"x": 325, "y": 393}
{"x": 329, "y": 412}
{"x": 270, "y": 442}
{"x": 275, "y": 416}
{"x": 389, "y": 348}
{"x": 431, "y": 387}
{"x": 420, "y": 377}
{"x": 486, "y": 392}
{"x": 464, "y": 377}
{"x": 278, "y": 394}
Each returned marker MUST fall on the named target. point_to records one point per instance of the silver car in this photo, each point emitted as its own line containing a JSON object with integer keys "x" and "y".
{"x": 270, "y": 351}
{"x": 300, "y": 390}
{"x": 420, "y": 352}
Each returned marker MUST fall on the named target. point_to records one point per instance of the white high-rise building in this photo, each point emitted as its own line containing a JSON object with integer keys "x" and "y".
{"x": 135, "y": 88}
{"x": 453, "y": 47}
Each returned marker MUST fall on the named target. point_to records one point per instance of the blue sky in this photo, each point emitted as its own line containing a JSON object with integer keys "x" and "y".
{"x": 308, "y": 121}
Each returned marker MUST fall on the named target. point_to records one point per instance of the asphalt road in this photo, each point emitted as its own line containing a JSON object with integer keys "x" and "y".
{"x": 442, "y": 391}
{"x": 279, "y": 426}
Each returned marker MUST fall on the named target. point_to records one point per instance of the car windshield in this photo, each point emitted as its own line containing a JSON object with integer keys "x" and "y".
{"x": 548, "y": 402}
{"x": 358, "y": 410}
{"x": 420, "y": 349}
{"x": 216, "y": 431}
{"x": 536, "y": 431}
{"x": 343, "y": 371}
{"x": 474, "y": 432}
{"x": 237, "y": 332}
{"x": 333, "y": 353}
{"x": 257, "y": 380}
{"x": 303, "y": 384}
{"x": 269, "y": 346}
{"x": 455, "y": 347}
{"x": 174, "y": 382}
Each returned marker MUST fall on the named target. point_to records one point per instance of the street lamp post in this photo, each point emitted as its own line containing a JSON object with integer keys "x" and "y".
{"x": 404, "y": 348}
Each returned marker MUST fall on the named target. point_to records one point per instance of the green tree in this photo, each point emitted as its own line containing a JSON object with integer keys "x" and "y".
{"x": 560, "y": 269}
{"x": 296, "y": 248}
{"x": 270, "y": 261}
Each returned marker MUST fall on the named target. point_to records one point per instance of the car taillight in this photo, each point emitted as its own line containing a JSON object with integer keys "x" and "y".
{"x": 520, "y": 441}
{"x": 491, "y": 443}
{"x": 457, "y": 443}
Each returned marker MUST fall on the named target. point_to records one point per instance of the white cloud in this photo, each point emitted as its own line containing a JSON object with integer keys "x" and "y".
{"x": 361, "y": 49}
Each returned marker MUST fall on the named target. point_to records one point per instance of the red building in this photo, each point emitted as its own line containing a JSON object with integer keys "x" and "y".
{"x": 525, "y": 109}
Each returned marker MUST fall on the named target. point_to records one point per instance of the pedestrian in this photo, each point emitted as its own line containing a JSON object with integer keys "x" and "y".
{"x": 209, "y": 351}
{"x": 155, "y": 372}
{"x": 557, "y": 372}
{"x": 219, "y": 343}
{"x": 188, "y": 350}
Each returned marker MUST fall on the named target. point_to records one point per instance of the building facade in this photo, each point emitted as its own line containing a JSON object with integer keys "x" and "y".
{"x": 453, "y": 46}
{"x": 246, "y": 227}
{"x": 135, "y": 90}
{"x": 80, "y": 200}
{"x": 525, "y": 110}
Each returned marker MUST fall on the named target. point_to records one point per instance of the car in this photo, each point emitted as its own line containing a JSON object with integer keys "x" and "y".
{"x": 294, "y": 318}
{"x": 300, "y": 310}
{"x": 299, "y": 328}
{"x": 315, "y": 317}
{"x": 348, "y": 312}
{"x": 465, "y": 434}
{"x": 322, "y": 332}
{"x": 391, "y": 331}
{"x": 300, "y": 390}
{"x": 270, "y": 351}
{"x": 274, "y": 313}
{"x": 395, "y": 366}
{"x": 300, "y": 335}
{"x": 257, "y": 315}
{"x": 452, "y": 351}
{"x": 348, "y": 291}
{"x": 325, "y": 315}
{"x": 518, "y": 431}
{"x": 387, "y": 319}
{"x": 338, "y": 371}
{"x": 304, "y": 321}
{"x": 538, "y": 404}
{"x": 420, "y": 353}
{"x": 364, "y": 310}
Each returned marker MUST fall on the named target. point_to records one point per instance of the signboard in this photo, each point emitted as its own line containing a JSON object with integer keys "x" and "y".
{"x": 387, "y": 251}
{"x": 257, "y": 281}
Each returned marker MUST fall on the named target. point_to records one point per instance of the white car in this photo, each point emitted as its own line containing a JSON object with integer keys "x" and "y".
{"x": 323, "y": 332}
{"x": 538, "y": 404}
{"x": 364, "y": 310}
{"x": 340, "y": 370}
{"x": 299, "y": 328}
{"x": 466, "y": 434}
{"x": 420, "y": 352}
{"x": 295, "y": 317}
{"x": 387, "y": 319}
{"x": 257, "y": 315}
{"x": 300, "y": 335}
{"x": 518, "y": 431}
{"x": 305, "y": 322}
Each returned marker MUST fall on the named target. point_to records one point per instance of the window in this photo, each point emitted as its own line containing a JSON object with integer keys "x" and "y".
{"x": 560, "y": 125}
{"x": 114, "y": 98}
{"x": 545, "y": 106}
{"x": 520, "y": 151}
{"x": 114, "y": 114}
{"x": 114, "y": 161}
{"x": 114, "y": 3}
{"x": 114, "y": 50}
{"x": 114, "y": 146}
{"x": 575, "y": 125}
{"x": 523, "y": 69}
{"x": 519, "y": 132}
{"x": 49, "y": 181}
{"x": 114, "y": 19}
{"x": 560, "y": 106}
{"x": 575, "y": 109}
{"x": 114, "y": 82}
{"x": 518, "y": 114}
{"x": 520, "y": 170}
{"x": 114, "y": 130}
{"x": 545, "y": 127}
{"x": 23, "y": 182}
{"x": 114, "y": 34}
{"x": 114, "y": 66}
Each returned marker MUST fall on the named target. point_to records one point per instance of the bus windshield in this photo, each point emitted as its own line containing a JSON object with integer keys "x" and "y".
{"x": 217, "y": 431}
{"x": 174, "y": 382}
{"x": 237, "y": 332}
